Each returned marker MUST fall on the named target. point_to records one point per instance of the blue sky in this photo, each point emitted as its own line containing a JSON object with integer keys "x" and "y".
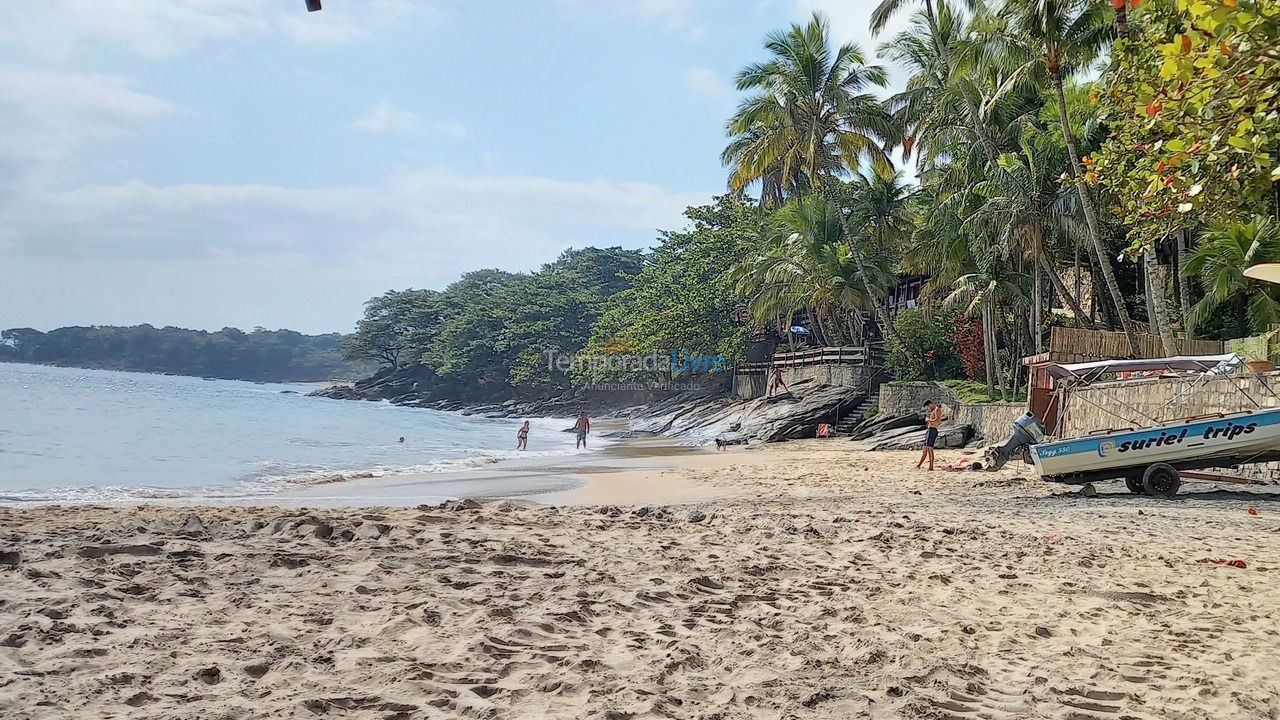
{"x": 243, "y": 162}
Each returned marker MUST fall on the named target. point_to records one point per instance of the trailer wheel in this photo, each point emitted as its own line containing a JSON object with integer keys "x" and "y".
{"x": 1134, "y": 484}
{"x": 1161, "y": 480}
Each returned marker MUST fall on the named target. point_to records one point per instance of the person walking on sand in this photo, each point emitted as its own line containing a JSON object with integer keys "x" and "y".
{"x": 522, "y": 436}
{"x": 775, "y": 382}
{"x": 932, "y": 419}
{"x": 582, "y": 427}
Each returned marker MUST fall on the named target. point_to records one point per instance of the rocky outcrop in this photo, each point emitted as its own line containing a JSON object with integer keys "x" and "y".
{"x": 794, "y": 415}
{"x": 882, "y": 423}
{"x": 906, "y": 432}
{"x": 912, "y": 438}
{"x": 704, "y": 414}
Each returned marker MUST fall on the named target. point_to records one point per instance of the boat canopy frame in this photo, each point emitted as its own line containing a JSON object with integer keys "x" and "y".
{"x": 1070, "y": 376}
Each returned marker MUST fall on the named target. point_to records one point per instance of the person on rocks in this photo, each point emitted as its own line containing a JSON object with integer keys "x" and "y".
{"x": 775, "y": 382}
{"x": 522, "y": 436}
{"x": 581, "y": 428}
{"x": 932, "y": 419}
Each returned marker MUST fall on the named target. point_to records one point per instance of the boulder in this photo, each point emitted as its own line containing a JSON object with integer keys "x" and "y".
{"x": 949, "y": 436}
{"x": 757, "y": 420}
{"x": 878, "y": 425}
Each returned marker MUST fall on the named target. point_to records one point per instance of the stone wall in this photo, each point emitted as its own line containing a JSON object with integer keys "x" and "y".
{"x": 904, "y": 398}
{"x": 748, "y": 386}
{"x": 991, "y": 421}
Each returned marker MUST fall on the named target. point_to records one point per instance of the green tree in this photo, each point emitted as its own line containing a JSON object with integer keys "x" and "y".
{"x": 1194, "y": 107}
{"x": 683, "y": 298}
{"x": 810, "y": 121}
{"x": 806, "y": 264}
{"x": 1225, "y": 251}
{"x": 1062, "y": 37}
{"x": 929, "y": 353}
{"x": 983, "y": 294}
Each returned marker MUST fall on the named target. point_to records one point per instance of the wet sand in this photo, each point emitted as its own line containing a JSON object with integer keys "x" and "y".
{"x": 822, "y": 582}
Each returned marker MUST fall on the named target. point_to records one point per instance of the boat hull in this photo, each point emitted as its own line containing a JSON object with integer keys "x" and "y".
{"x": 1201, "y": 443}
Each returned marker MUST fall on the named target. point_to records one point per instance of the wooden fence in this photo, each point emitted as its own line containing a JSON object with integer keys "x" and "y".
{"x": 812, "y": 356}
{"x": 1106, "y": 344}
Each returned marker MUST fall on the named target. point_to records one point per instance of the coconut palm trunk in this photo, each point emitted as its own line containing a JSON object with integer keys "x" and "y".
{"x": 1061, "y": 288}
{"x": 1037, "y": 302}
{"x": 1184, "y": 285}
{"x": 1091, "y": 214}
{"x": 989, "y": 345}
{"x": 1155, "y": 291}
{"x": 1122, "y": 18}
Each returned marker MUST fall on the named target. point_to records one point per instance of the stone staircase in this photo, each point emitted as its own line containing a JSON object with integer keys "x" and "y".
{"x": 854, "y": 417}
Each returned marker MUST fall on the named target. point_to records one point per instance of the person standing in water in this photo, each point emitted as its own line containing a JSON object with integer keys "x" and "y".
{"x": 581, "y": 428}
{"x": 522, "y": 436}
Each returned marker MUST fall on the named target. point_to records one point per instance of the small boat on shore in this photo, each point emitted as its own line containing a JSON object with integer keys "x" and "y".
{"x": 1150, "y": 458}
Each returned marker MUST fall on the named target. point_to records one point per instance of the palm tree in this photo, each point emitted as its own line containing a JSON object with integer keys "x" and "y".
{"x": 810, "y": 121}
{"x": 1062, "y": 36}
{"x": 879, "y": 207}
{"x": 942, "y": 103}
{"x": 1225, "y": 251}
{"x": 983, "y": 293}
{"x": 807, "y": 264}
{"x": 1022, "y": 203}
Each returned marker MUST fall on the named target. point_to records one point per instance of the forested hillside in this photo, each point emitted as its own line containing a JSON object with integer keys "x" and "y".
{"x": 1076, "y": 162}
{"x": 266, "y": 355}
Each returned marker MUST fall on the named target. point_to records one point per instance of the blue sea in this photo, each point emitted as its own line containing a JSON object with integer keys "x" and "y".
{"x": 74, "y": 435}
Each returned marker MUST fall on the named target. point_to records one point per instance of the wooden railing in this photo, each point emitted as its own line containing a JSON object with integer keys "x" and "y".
{"x": 1107, "y": 344}
{"x": 814, "y": 356}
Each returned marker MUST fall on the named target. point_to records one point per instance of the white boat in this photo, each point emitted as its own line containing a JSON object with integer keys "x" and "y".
{"x": 1149, "y": 458}
{"x": 1240, "y": 435}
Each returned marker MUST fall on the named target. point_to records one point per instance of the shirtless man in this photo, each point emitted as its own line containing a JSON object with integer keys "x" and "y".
{"x": 932, "y": 419}
{"x": 582, "y": 427}
{"x": 775, "y": 382}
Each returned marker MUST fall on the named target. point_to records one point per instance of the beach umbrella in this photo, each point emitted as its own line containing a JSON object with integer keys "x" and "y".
{"x": 1267, "y": 272}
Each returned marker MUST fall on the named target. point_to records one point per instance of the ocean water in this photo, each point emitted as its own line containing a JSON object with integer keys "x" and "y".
{"x": 99, "y": 436}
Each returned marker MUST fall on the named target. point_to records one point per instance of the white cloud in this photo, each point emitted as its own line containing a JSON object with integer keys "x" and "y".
{"x": 434, "y": 215}
{"x": 387, "y": 118}
{"x": 323, "y": 28}
{"x": 46, "y": 116}
{"x": 57, "y": 30}
{"x": 705, "y": 83}
{"x": 209, "y": 255}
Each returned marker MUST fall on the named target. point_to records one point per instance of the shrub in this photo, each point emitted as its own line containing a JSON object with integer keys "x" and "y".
{"x": 928, "y": 352}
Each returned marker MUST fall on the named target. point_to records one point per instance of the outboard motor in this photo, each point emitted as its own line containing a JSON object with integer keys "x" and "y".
{"x": 1027, "y": 431}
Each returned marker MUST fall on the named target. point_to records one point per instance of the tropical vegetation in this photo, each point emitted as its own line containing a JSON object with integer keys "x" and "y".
{"x": 1104, "y": 164}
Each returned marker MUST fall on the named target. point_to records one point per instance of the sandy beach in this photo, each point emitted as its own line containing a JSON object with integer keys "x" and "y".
{"x": 801, "y": 580}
